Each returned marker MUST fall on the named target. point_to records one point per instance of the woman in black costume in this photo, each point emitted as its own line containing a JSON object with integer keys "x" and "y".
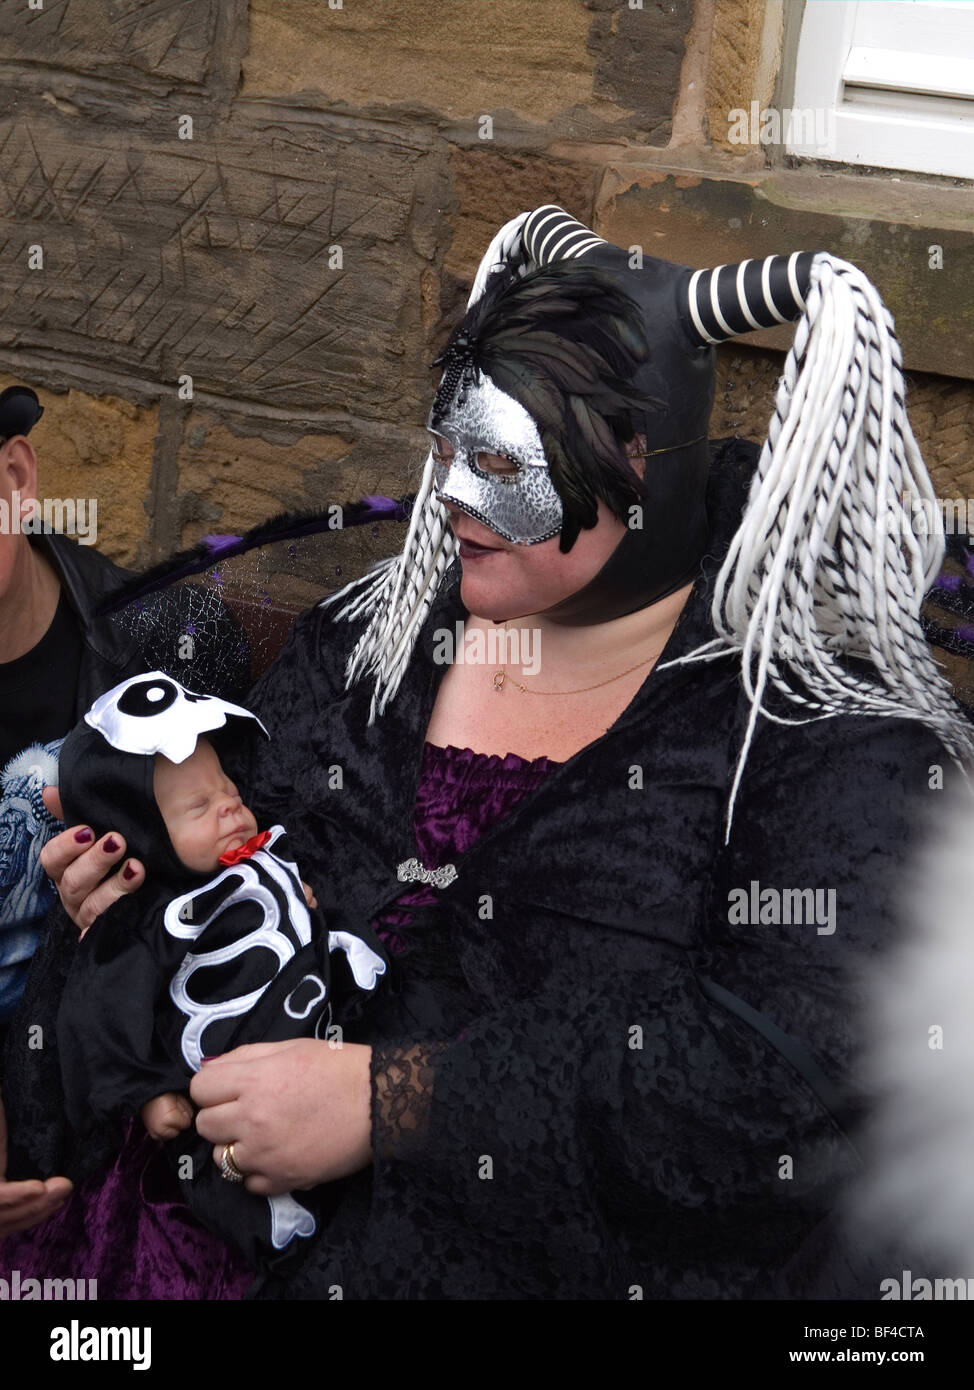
{"x": 615, "y": 1056}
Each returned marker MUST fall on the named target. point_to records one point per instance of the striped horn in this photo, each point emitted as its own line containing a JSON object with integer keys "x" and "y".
{"x": 532, "y": 240}
{"x": 724, "y": 302}
{"x": 737, "y": 299}
{"x": 718, "y": 304}
{"x": 549, "y": 234}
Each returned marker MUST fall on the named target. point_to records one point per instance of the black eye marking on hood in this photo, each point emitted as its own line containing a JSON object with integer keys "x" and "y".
{"x": 137, "y": 700}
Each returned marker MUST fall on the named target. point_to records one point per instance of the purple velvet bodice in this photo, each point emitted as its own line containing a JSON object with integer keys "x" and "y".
{"x": 129, "y": 1228}
{"x": 461, "y": 794}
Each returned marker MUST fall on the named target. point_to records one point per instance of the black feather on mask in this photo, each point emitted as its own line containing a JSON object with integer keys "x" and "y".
{"x": 566, "y": 343}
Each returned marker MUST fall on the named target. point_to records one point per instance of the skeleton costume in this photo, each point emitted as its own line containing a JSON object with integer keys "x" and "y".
{"x": 206, "y": 963}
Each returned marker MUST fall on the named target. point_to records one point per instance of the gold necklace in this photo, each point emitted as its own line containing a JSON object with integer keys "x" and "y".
{"x": 501, "y": 678}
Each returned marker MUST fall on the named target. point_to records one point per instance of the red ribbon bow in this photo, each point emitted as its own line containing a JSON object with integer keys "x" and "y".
{"x": 244, "y": 851}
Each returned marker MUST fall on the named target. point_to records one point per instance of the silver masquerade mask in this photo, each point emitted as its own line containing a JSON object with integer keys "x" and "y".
{"x": 521, "y": 505}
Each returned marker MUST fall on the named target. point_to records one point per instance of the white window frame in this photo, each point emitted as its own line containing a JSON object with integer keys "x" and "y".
{"x": 888, "y": 83}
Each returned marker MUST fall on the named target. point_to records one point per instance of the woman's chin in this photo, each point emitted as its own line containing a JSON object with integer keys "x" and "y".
{"x": 495, "y": 608}
{"x": 482, "y": 599}
{"x": 485, "y": 594}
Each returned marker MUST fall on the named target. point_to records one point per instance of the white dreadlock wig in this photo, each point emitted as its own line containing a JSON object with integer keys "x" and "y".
{"x": 397, "y": 593}
{"x": 825, "y": 564}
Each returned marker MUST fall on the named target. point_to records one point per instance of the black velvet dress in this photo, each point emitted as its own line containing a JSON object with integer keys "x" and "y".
{"x": 634, "y": 1076}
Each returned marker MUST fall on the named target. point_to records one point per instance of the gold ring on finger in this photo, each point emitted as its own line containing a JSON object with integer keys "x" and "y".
{"x": 228, "y": 1166}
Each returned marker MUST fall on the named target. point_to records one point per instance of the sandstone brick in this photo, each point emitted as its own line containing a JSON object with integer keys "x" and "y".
{"x": 577, "y": 64}
{"x": 736, "y": 69}
{"x": 640, "y": 57}
{"x": 492, "y": 186}
{"x": 133, "y": 39}
{"x": 462, "y": 59}
{"x": 231, "y": 477}
{"x": 747, "y": 379}
{"x": 218, "y": 257}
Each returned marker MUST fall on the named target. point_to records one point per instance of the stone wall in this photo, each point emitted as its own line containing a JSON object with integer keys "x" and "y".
{"x": 233, "y": 237}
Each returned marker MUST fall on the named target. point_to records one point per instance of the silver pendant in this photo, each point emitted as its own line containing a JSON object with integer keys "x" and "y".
{"x": 412, "y": 871}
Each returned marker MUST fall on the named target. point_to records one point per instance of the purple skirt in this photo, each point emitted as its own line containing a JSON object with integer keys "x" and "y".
{"x": 129, "y": 1231}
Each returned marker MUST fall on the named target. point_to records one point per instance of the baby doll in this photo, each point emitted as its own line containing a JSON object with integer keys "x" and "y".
{"x": 222, "y": 946}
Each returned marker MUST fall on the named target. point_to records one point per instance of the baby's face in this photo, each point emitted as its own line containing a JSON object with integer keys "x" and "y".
{"x": 201, "y": 807}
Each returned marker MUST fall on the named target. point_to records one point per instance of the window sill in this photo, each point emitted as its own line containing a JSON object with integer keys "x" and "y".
{"x": 699, "y": 211}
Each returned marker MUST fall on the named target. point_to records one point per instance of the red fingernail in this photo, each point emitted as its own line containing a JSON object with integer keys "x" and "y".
{"x": 82, "y": 836}
{"x": 206, "y": 1059}
{"x": 110, "y": 845}
{"x": 128, "y": 872}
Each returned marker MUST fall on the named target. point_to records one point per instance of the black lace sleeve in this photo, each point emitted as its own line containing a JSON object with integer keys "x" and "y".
{"x": 622, "y": 1132}
{"x": 402, "y": 1088}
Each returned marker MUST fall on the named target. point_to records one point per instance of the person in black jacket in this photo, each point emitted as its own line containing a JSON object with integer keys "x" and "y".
{"x": 56, "y": 658}
{"x": 616, "y": 1055}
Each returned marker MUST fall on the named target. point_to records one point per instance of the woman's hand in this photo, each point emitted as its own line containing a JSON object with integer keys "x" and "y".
{"x": 25, "y": 1204}
{"x": 297, "y": 1113}
{"x": 81, "y": 867}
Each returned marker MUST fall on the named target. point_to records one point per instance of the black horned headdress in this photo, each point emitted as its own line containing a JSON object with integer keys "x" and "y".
{"x": 825, "y": 565}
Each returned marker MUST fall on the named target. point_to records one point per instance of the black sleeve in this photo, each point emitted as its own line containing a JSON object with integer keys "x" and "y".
{"x": 41, "y": 1142}
{"x": 113, "y": 1059}
{"x": 622, "y": 1128}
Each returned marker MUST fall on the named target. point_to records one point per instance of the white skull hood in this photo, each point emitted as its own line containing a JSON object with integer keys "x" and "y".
{"x": 153, "y": 713}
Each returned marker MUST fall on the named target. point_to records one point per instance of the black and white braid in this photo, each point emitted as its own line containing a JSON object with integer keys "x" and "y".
{"x": 825, "y": 563}
{"x": 397, "y": 593}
